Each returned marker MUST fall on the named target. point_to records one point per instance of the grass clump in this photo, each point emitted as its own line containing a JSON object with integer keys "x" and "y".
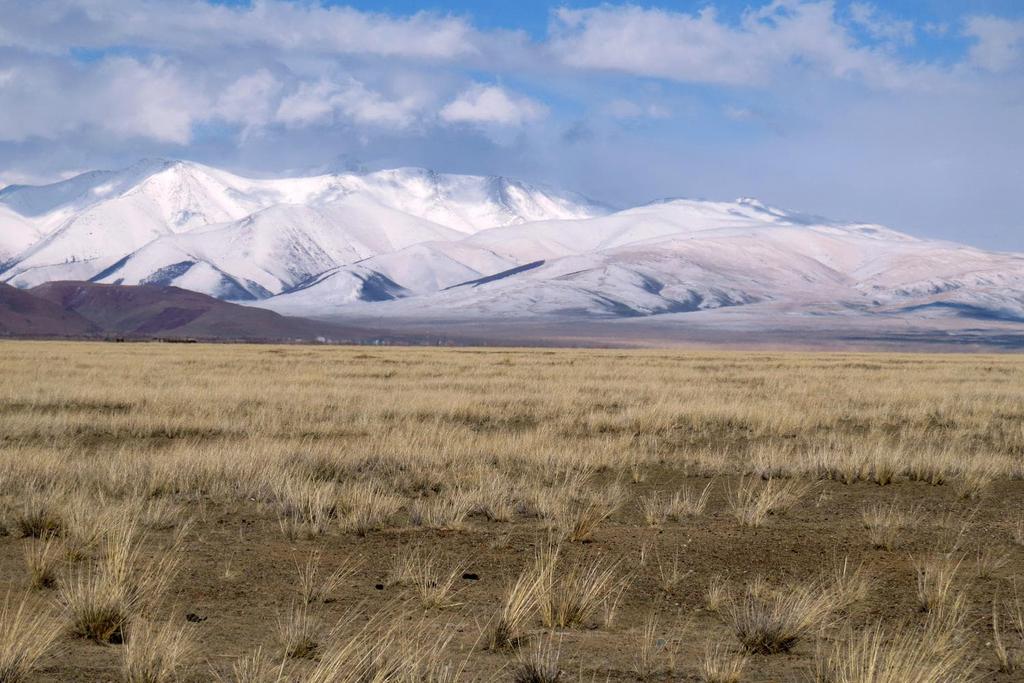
{"x": 27, "y": 634}
{"x": 767, "y": 621}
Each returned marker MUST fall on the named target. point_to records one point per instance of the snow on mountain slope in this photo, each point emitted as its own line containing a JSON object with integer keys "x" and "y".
{"x": 16, "y": 234}
{"x": 277, "y": 248}
{"x": 410, "y": 242}
{"x": 431, "y": 266}
{"x": 683, "y": 256}
{"x": 339, "y": 287}
{"x": 469, "y": 203}
{"x": 81, "y": 227}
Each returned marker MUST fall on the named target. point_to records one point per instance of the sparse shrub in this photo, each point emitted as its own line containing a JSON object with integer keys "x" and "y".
{"x": 27, "y": 634}
{"x": 156, "y": 654}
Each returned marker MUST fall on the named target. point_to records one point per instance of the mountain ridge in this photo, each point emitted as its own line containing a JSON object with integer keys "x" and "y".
{"x": 416, "y": 244}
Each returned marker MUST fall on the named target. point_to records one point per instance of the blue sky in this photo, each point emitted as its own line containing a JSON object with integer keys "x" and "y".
{"x": 901, "y": 112}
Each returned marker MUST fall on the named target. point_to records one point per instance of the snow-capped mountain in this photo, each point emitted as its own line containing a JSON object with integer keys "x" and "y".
{"x": 86, "y": 226}
{"x": 415, "y": 244}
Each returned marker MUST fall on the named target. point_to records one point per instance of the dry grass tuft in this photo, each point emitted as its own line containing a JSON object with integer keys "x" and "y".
{"x": 103, "y": 597}
{"x": 428, "y": 574}
{"x": 906, "y": 655}
{"x": 717, "y": 593}
{"x": 38, "y": 516}
{"x": 369, "y": 509}
{"x": 43, "y": 561}
{"x": 886, "y": 524}
{"x": 540, "y": 665}
{"x": 298, "y": 632}
{"x": 774, "y": 622}
{"x": 314, "y": 586}
{"x": 1008, "y": 631}
{"x": 156, "y": 654}
{"x": 254, "y": 667}
{"x": 648, "y": 648}
{"x": 27, "y": 634}
{"x": 720, "y": 665}
{"x": 936, "y": 574}
{"x": 687, "y": 502}
{"x": 753, "y": 500}
{"x": 520, "y": 603}
{"x": 569, "y": 596}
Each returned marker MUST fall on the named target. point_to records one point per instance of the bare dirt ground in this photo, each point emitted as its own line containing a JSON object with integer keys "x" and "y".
{"x": 235, "y": 468}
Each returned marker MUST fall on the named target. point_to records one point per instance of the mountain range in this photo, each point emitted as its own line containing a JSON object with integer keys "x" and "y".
{"x": 421, "y": 247}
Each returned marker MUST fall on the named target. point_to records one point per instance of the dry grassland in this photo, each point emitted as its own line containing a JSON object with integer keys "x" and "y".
{"x": 261, "y": 513}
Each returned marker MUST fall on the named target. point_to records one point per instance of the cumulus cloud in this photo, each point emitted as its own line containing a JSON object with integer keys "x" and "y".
{"x": 491, "y": 104}
{"x": 999, "y": 43}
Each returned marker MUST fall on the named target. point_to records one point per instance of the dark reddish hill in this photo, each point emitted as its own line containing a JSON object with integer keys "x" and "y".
{"x": 23, "y": 314}
{"x": 87, "y": 309}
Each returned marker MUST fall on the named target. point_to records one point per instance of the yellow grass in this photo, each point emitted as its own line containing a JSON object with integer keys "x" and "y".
{"x": 109, "y": 449}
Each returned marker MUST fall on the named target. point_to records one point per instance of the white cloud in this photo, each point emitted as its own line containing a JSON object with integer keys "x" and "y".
{"x": 782, "y": 36}
{"x": 880, "y": 25}
{"x": 249, "y": 100}
{"x": 491, "y": 104}
{"x": 122, "y": 96}
{"x": 307, "y": 27}
{"x": 999, "y": 43}
{"x": 323, "y": 101}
